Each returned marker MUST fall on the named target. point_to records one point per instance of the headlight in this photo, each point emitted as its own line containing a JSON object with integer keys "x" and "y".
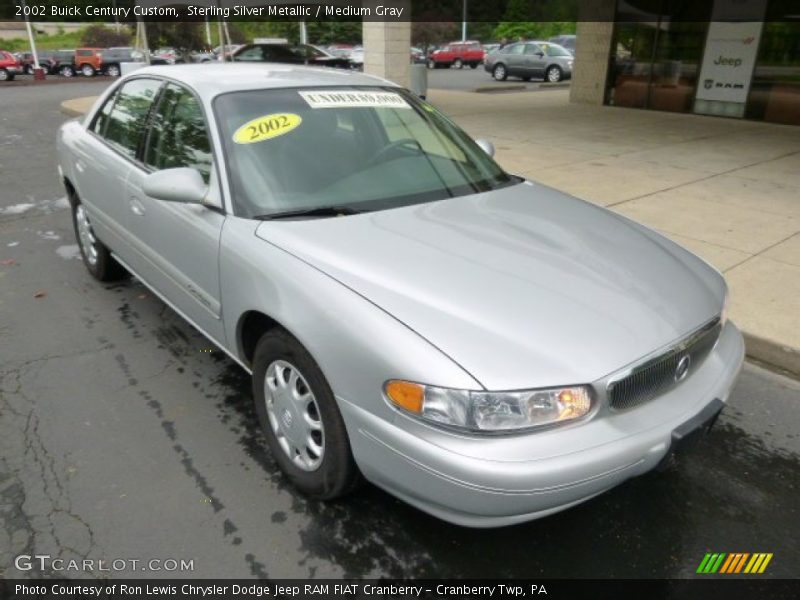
{"x": 490, "y": 411}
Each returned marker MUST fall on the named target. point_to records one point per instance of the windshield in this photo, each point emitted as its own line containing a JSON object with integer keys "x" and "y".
{"x": 361, "y": 148}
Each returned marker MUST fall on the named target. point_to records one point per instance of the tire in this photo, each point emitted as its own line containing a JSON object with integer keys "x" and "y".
{"x": 67, "y": 71}
{"x": 5, "y": 75}
{"x": 458, "y": 63}
{"x": 526, "y": 78}
{"x": 499, "y": 72}
{"x": 29, "y": 70}
{"x": 113, "y": 70}
{"x": 96, "y": 256}
{"x": 553, "y": 74}
{"x": 87, "y": 70}
{"x": 431, "y": 64}
{"x": 330, "y": 474}
{"x": 473, "y": 65}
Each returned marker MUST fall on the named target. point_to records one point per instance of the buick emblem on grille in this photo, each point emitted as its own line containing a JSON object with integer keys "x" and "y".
{"x": 683, "y": 367}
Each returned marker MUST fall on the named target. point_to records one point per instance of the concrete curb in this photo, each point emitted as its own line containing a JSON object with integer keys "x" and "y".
{"x": 77, "y": 107}
{"x": 772, "y": 353}
{"x": 560, "y": 84}
{"x": 758, "y": 348}
{"x": 488, "y": 89}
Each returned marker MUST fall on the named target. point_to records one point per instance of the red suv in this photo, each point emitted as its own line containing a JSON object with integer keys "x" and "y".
{"x": 457, "y": 55}
{"x": 9, "y": 66}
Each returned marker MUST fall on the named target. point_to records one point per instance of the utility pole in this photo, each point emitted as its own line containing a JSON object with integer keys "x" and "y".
{"x": 37, "y": 72}
{"x": 464, "y": 20}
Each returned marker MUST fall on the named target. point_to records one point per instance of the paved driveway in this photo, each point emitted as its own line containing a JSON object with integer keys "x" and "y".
{"x": 122, "y": 436}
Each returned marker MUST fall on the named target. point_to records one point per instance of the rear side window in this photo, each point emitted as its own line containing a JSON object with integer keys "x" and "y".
{"x": 101, "y": 119}
{"x": 127, "y": 119}
{"x": 178, "y": 134}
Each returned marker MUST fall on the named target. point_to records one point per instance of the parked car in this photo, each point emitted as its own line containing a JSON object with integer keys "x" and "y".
{"x": 226, "y": 51}
{"x": 10, "y": 66}
{"x": 300, "y": 54}
{"x": 456, "y": 54}
{"x": 113, "y": 57}
{"x": 61, "y": 62}
{"x": 28, "y": 64}
{"x": 417, "y": 56}
{"x": 488, "y": 349}
{"x": 565, "y": 41}
{"x": 89, "y": 61}
{"x": 527, "y": 60}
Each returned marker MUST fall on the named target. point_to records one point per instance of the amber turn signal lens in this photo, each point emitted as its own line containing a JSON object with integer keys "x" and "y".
{"x": 406, "y": 395}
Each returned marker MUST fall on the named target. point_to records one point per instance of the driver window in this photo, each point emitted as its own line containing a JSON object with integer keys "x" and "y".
{"x": 532, "y": 49}
{"x": 516, "y": 49}
{"x": 178, "y": 134}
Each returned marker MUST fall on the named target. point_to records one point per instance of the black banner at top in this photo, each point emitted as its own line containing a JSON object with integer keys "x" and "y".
{"x": 394, "y": 10}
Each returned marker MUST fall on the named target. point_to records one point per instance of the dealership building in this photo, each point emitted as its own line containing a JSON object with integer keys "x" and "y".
{"x": 730, "y": 58}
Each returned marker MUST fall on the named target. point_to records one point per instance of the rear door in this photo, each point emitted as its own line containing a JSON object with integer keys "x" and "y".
{"x": 178, "y": 243}
{"x": 515, "y": 60}
{"x": 105, "y": 156}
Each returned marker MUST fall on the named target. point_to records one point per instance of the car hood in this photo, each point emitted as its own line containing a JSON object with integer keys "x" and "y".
{"x": 522, "y": 286}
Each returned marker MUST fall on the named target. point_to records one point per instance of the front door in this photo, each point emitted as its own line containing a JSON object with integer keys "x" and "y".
{"x": 180, "y": 242}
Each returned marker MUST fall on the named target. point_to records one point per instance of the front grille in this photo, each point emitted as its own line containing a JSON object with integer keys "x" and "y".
{"x": 657, "y": 375}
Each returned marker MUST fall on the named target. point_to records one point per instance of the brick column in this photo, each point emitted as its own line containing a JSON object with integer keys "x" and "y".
{"x": 594, "y": 34}
{"x": 387, "y": 46}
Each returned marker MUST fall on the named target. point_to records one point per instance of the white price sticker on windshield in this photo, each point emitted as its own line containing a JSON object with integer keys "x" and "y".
{"x": 353, "y": 99}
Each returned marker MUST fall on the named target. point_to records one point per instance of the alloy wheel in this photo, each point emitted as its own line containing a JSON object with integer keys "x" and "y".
{"x": 553, "y": 74}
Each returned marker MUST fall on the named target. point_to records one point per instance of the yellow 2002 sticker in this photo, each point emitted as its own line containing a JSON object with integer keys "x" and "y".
{"x": 266, "y": 128}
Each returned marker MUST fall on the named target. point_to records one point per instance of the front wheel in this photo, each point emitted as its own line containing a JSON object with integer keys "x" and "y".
{"x": 112, "y": 70}
{"x": 5, "y": 75}
{"x": 458, "y": 63}
{"x": 302, "y": 423}
{"x": 96, "y": 256}
{"x": 553, "y": 74}
{"x": 499, "y": 72}
{"x": 431, "y": 64}
{"x": 87, "y": 70}
{"x": 473, "y": 65}
{"x": 67, "y": 71}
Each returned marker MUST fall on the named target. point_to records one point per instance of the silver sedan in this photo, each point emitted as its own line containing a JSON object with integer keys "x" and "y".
{"x": 484, "y": 347}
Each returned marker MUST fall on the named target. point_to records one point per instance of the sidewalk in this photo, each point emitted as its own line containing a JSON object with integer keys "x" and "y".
{"x": 728, "y": 190}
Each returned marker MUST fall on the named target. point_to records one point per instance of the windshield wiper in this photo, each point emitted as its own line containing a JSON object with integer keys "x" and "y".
{"x": 320, "y": 211}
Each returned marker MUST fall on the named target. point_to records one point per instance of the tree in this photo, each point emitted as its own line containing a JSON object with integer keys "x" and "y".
{"x": 183, "y": 36}
{"x": 100, "y": 36}
{"x": 432, "y": 33}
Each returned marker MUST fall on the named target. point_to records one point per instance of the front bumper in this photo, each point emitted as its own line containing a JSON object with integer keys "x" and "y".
{"x": 492, "y": 481}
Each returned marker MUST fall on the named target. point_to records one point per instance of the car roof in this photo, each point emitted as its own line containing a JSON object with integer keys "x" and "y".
{"x": 212, "y": 79}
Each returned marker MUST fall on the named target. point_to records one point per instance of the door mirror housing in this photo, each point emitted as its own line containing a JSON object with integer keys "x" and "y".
{"x": 486, "y": 146}
{"x": 183, "y": 184}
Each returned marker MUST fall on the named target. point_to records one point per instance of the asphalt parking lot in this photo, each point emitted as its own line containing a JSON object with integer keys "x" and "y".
{"x": 123, "y": 435}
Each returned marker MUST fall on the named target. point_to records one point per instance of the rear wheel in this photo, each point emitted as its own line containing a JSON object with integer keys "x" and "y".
{"x": 473, "y": 65}
{"x": 96, "y": 256}
{"x": 5, "y": 75}
{"x": 499, "y": 72}
{"x": 300, "y": 418}
{"x": 67, "y": 71}
{"x": 458, "y": 63}
{"x": 431, "y": 64}
{"x": 87, "y": 70}
{"x": 113, "y": 70}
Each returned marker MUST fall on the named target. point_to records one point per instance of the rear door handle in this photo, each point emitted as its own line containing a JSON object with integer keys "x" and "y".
{"x": 137, "y": 207}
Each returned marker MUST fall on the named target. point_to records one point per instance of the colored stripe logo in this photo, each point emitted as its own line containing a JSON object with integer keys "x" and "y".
{"x": 734, "y": 562}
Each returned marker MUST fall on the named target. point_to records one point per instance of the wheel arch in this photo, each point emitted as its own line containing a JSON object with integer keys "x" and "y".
{"x": 250, "y": 327}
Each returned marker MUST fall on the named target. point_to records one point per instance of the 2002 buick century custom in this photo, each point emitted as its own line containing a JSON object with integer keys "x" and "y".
{"x": 484, "y": 347}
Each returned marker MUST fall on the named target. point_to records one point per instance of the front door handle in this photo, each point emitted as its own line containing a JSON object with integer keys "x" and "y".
{"x": 137, "y": 207}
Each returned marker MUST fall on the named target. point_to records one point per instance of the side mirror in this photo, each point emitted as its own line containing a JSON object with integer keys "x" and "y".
{"x": 540, "y": 54}
{"x": 486, "y": 146}
{"x": 176, "y": 185}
